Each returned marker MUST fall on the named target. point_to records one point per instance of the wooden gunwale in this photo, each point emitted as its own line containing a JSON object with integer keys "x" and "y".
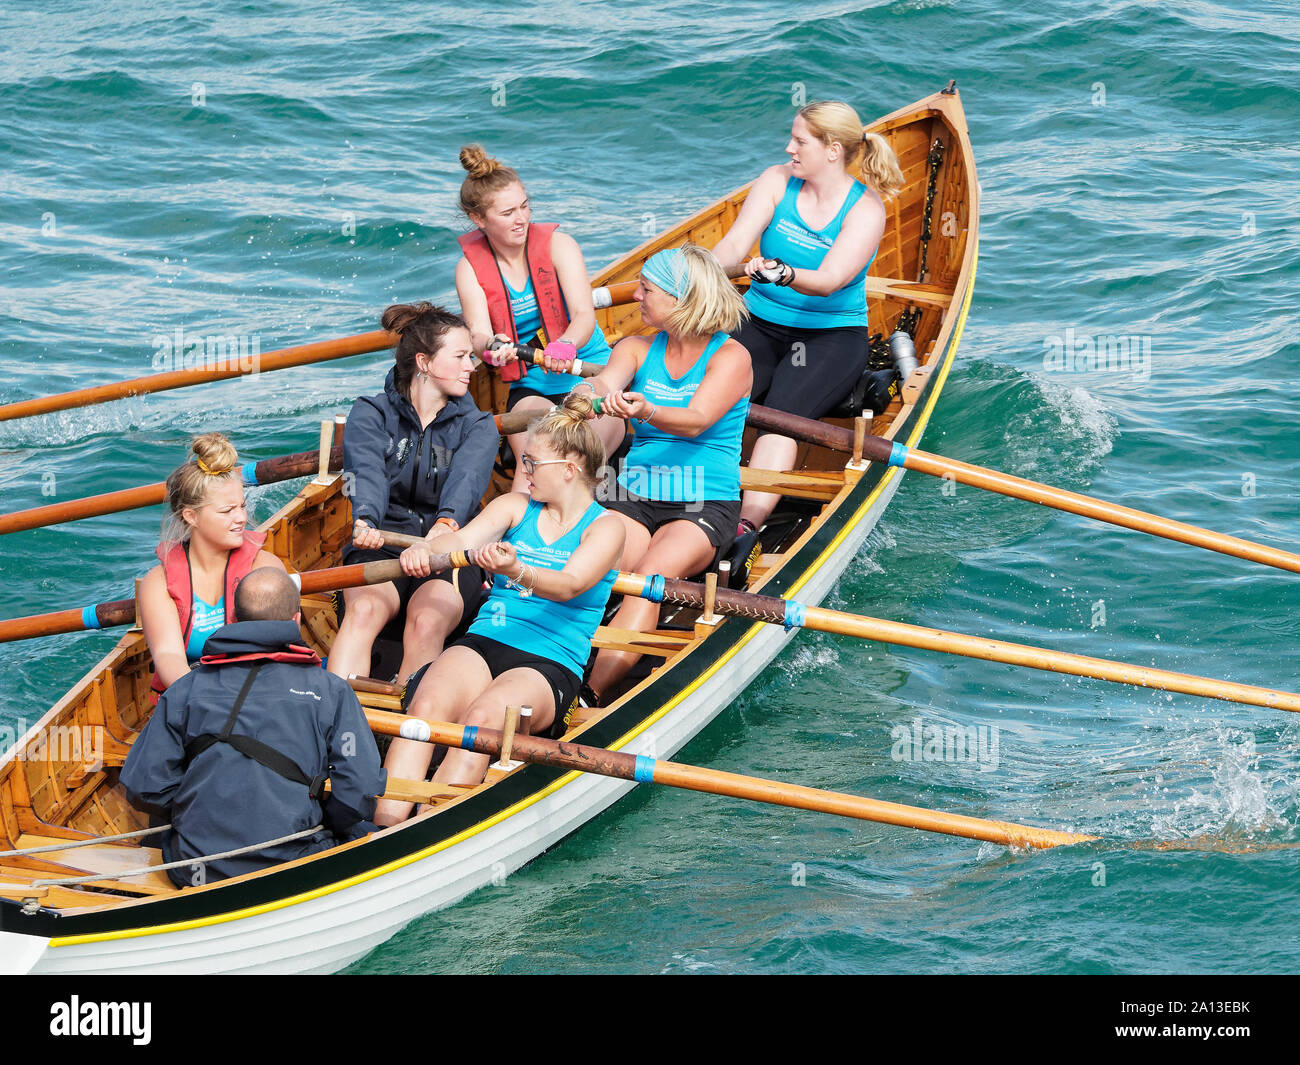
{"x": 320, "y": 511}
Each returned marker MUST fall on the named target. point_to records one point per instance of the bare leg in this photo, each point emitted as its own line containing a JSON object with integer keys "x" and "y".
{"x": 770, "y": 453}
{"x": 678, "y": 549}
{"x": 515, "y": 687}
{"x": 434, "y": 610}
{"x": 445, "y": 694}
{"x": 368, "y": 611}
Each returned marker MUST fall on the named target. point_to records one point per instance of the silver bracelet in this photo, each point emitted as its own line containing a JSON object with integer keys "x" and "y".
{"x": 518, "y": 582}
{"x": 653, "y": 411}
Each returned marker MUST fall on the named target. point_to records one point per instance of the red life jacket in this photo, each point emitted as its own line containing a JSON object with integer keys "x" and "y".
{"x": 546, "y": 287}
{"x": 180, "y": 585}
{"x": 297, "y": 654}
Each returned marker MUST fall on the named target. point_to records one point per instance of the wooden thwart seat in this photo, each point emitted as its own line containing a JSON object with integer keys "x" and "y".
{"x": 879, "y": 288}
{"x": 821, "y": 486}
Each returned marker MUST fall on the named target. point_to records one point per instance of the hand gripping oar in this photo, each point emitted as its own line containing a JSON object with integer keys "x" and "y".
{"x": 879, "y": 449}
{"x": 792, "y": 614}
{"x": 122, "y": 611}
{"x": 536, "y": 356}
{"x": 282, "y": 359}
{"x": 646, "y": 770}
{"x": 268, "y": 471}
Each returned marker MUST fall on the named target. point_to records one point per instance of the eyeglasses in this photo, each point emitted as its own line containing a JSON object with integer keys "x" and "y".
{"x": 530, "y": 465}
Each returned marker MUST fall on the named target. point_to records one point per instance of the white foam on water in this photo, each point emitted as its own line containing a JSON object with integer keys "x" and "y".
{"x": 1083, "y": 434}
{"x": 1248, "y": 792}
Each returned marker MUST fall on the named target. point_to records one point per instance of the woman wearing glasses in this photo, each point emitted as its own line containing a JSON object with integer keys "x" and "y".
{"x": 553, "y": 554}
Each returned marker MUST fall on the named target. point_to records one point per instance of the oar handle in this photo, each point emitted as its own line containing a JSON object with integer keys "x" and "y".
{"x": 535, "y": 357}
{"x": 522, "y": 421}
{"x": 621, "y": 293}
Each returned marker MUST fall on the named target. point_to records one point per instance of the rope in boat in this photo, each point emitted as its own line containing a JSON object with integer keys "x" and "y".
{"x": 70, "y": 843}
{"x": 63, "y": 881}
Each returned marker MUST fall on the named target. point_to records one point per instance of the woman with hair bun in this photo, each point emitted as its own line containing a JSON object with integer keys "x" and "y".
{"x": 206, "y": 549}
{"x": 552, "y": 554}
{"x": 524, "y": 283}
{"x": 418, "y": 458}
{"x": 819, "y": 228}
{"x": 679, "y": 493}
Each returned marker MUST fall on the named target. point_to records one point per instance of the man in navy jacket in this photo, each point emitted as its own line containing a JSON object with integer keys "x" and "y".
{"x": 237, "y": 750}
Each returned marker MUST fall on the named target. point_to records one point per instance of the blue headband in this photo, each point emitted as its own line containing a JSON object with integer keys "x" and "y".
{"x": 667, "y": 270}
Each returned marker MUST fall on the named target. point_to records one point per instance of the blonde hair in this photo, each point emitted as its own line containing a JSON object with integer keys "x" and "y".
{"x": 487, "y": 177}
{"x": 215, "y": 462}
{"x": 709, "y": 303}
{"x": 834, "y": 120}
{"x": 570, "y": 433}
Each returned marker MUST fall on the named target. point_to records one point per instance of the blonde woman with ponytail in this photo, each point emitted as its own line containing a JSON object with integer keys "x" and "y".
{"x": 553, "y": 554}
{"x": 206, "y": 548}
{"x": 819, "y": 220}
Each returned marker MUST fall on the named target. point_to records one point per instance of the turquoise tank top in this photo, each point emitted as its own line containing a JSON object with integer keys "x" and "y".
{"x": 790, "y": 239}
{"x": 205, "y": 619}
{"x": 528, "y": 320}
{"x": 558, "y": 632}
{"x": 679, "y": 469}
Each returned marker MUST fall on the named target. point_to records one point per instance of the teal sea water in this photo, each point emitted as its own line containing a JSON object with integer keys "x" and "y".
{"x": 283, "y": 171}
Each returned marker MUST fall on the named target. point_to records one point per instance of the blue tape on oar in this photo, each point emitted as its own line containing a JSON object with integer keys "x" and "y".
{"x": 795, "y": 613}
{"x": 644, "y": 772}
{"x": 89, "y": 619}
{"x": 898, "y": 454}
{"x": 248, "y": 474}
{"x": 654, "y": 588}
{"x": 468, "y": 737}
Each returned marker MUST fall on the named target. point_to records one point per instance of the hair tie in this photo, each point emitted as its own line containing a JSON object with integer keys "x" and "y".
{"x": 211, "y": 473}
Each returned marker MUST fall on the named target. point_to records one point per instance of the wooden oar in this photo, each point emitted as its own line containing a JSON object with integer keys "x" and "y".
{"x": 122, "y": 611}
{"x": 268, "y": 471}
{"x": 879, "y": 449}
{"x": 284, "y": 358}
{"x": 793, "y": 614}
{"x": 646, "y": 770}
{"x": 878, "y": 288}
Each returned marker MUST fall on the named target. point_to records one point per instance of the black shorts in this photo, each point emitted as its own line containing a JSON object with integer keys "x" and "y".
{"x": 807, "y": 372}
{"x": 501, "y": 658}
{"x": 468, "y": 580}
{"x": 716, "y": 518}
{"x": 518, "y": 395}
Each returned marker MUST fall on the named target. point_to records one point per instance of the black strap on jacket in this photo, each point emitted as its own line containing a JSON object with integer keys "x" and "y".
{"x": 256, "y": 750}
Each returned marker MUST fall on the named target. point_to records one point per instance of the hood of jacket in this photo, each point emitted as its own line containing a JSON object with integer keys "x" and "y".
{"x": 254, "y": 637}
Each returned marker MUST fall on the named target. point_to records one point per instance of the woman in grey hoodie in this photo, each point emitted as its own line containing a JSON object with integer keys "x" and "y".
{"x": 417, "y": 459}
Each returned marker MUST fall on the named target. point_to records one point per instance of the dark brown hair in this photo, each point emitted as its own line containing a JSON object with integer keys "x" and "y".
{"x": 421, "y": 327}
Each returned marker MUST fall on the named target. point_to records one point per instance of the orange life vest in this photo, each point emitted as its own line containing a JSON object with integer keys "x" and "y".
{"x": 546, "y": 286}
{"x": 180, "y": 584}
